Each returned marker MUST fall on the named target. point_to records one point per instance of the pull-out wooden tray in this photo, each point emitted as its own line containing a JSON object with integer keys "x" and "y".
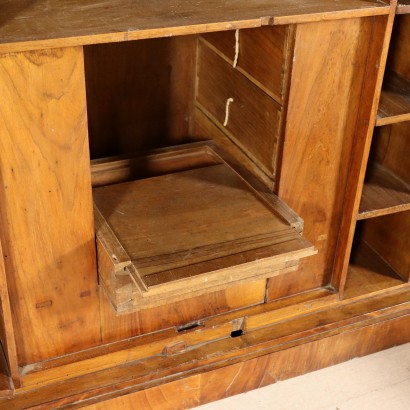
{"x": 196, "y": 227}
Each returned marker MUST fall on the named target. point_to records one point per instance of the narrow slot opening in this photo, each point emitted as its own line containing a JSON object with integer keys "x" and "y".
{"x": 237, "y": 333}
{"x": 189, "y": 326}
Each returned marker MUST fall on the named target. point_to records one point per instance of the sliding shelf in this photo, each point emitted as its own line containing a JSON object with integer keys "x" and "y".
{"x": 394, "y": 103}
{"x": 194, "y": 226}
{"x": 383, "y": 193}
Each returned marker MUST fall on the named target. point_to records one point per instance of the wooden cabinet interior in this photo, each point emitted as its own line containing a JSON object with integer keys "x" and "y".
{"x": 243, "y": 134}
{"x": 381, "y": 253}
{"x": 190, "y": 231}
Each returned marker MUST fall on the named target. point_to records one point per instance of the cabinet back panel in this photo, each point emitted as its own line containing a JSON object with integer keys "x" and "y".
{"x": 391, "y": 147}
{"x": 139, "y": 94}
{"x": 399, "y": 52}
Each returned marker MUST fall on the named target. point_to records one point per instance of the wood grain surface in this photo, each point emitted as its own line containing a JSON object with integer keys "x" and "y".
{"x": 325, "y": 94}
{"x": 27, "y": 25}
{"x": 379, "y": 318}
{"x": 140, "y": 95}
{"x": 46, "y": 209}
{"x": 394, "y": 103}
{"x": 248, "y": 115}
{"x": 261, "y": 55}
{"x": 383, "y": 193}
{"x": 234, "y": 379}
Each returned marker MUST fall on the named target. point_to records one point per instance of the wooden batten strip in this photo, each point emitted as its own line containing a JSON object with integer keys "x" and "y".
{"x": 314, "y": 325}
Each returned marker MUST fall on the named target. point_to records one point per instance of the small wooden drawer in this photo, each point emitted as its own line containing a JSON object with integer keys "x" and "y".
{"x": 259, "y": 54}
{"x": 247, "y": 114}
{"x": 196, "y": 226}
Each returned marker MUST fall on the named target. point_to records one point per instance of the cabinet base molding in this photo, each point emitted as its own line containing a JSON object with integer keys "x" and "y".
{"x": 219, "y": 368}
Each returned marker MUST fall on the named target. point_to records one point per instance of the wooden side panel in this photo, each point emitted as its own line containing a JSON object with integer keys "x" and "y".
{"x": 248, "y": 115}
{"x": 176, "y": 314}
{"x": 389, "y": 237}
{"x": 234, "y": 379}
{"x": 140, "y": 94}
{"x": 329, "y": 67}
{"x": 45, "y": 203}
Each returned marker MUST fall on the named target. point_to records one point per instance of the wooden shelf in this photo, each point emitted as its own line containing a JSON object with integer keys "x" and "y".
{"x": 383, "y": 193}
{"x": 403, "y": 7}
{"x": 394, "y": 105}
{"x": 28, "y": 25}
{"x": 190, "y": 232}
{"x": 369, "y": 273}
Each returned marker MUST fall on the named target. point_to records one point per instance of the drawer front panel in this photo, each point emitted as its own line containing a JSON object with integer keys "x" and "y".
{"x": 260, "y": 53}
{"x": 247, "y": 114}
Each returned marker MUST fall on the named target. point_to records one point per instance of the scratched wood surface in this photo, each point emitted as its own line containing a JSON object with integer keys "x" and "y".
{"x": 27, "y": 25}
{"x": 46, "y": 210}
{"x": 323, "y": 105}
{"x": 328, "y": 339}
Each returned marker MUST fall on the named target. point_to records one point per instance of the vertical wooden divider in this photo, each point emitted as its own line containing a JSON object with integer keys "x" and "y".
{"x": 47, "y": 230}
{"x": 372, "y": 84}
{"x": 328, "y": 72}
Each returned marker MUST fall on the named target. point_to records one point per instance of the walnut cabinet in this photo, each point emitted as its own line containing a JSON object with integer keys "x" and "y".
{"x": 198, "y": 198}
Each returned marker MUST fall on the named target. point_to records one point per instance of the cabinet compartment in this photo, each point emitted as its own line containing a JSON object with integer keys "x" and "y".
{"x": 190, "y": 231}
{"x": 394, "y": 103}
{"x": 169, "y": 251}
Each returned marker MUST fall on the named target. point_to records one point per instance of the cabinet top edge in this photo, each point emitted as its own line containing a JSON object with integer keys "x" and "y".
{"x": 32, "y": 25}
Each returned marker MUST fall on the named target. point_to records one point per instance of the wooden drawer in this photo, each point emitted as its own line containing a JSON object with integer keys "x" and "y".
{"x": 249, "y": 117}
{"x": 260, "y": 54}
{"x": 194, "y": 227}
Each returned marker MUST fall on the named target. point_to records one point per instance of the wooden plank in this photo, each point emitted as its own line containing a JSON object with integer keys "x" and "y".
{"x": 27, "y": 25}
{"x": 214, "y": 255}
{"x": 261, "y": 55}
{"x": 234, "y": 379}
{"x": 129, "y": 167}
{"x": 142, "y": 374}
{"x": 143, "y": 321}
{"x": 394, "y": 105}
{"x": 282, "y": 325}
{"x": 140, "y": 95}
{"x": 383, "y": 193}
{"x": 46, "y": 209}
{"x": 325, "y": 96}
{"x": 257, "y": 316}
{"x": 158, "y": 236}
{"x": 251, "y": 118}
